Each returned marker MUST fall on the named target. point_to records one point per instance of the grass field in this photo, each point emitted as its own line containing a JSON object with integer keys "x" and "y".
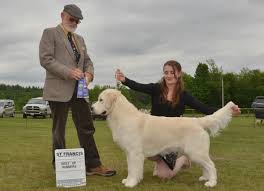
{"x": 25, "y": 159}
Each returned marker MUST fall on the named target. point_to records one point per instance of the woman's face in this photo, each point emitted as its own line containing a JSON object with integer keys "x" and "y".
{"x": 170, "y": 76}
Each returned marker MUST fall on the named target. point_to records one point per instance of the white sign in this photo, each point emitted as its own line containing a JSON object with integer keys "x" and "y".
{"x": 70, "y": 167}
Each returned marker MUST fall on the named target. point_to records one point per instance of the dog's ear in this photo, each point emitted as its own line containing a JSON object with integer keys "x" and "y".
{"x": 111, "y": 99}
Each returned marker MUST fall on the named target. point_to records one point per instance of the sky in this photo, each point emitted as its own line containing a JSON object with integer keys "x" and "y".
{"x": 136, "y": 36}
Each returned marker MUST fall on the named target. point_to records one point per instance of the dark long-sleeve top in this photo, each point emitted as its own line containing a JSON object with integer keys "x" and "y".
{"x": 160, "y": 108}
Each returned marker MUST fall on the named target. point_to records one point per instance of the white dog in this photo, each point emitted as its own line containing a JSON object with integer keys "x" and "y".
{"x": 258, "y": 122}
{"x": 142, "y": 135}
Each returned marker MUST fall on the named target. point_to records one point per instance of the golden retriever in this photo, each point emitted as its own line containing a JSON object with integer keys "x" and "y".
{"x": 142, "y": 135}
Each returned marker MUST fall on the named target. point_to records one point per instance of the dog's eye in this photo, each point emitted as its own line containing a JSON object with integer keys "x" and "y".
{"x": 100, "y": 100}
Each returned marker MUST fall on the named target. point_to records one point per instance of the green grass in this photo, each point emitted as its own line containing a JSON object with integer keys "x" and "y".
{"x": 25, "y": 159}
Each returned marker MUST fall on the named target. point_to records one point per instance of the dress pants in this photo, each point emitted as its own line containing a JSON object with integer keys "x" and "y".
{"x": 81, "y": 115}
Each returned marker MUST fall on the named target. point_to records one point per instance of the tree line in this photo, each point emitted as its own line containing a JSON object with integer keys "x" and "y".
{"x": 205, "y": 85}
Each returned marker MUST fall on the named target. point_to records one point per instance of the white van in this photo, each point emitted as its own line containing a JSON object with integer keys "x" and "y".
{"x": 36, "y": 107}
{"x": 7, "y": 108}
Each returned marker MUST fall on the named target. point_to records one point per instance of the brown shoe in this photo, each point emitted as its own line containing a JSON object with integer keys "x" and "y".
{"x": 101, "y": 171}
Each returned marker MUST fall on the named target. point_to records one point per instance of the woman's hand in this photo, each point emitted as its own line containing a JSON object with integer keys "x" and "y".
{"x": 119, "y": 75}
{"x": 235, "y": 110}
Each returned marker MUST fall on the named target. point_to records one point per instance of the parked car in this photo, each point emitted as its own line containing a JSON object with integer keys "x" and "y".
{"x": 258, "y": 107}
{"x": 37, "y": 107}
{"x": 258, "y": 102}
{"x": 7, "y": 108}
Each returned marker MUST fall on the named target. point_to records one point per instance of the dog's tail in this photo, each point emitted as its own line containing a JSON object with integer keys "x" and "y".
{"x": 218, "y": 120}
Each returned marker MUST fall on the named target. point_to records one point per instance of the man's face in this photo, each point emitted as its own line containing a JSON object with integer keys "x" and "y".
{"x": 69, "y": 22}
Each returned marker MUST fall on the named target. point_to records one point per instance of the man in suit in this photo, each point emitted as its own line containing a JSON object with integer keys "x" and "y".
{"x": 64, "y": 55}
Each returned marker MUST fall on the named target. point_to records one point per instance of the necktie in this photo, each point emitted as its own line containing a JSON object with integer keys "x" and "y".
{"x": 75, "y": 51}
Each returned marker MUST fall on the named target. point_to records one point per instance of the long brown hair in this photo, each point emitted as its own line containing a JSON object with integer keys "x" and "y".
{"x": 179, "y": 85}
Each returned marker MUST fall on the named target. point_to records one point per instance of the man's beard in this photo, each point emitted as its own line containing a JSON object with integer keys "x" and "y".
{"x": 69, "y": 28}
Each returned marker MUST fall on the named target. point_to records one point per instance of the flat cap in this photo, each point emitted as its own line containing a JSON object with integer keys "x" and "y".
{"x": 73, "y": 10}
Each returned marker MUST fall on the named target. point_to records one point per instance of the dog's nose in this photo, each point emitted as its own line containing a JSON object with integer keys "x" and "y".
{"x": 92, "y": 108}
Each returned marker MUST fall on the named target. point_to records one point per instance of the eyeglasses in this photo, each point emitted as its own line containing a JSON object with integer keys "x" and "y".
{"x": 77, "y": 21}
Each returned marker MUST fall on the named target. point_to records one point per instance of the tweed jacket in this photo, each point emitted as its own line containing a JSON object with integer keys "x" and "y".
{"x": 57, "y": 57}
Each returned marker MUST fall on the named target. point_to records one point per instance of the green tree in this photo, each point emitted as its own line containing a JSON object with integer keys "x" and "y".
{"x": 214, "y": 84}
{"x": 201, "y": 87}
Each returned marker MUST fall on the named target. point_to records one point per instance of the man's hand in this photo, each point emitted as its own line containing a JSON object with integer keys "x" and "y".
{"x": 88, "y": 77}
{"x": 76, "y": 74}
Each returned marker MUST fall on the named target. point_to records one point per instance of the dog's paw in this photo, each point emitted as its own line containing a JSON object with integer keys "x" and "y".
{"x": 131, "y": 183}
{"x": 202, "y": 178}
{"x": 124, "y": 181}
{"x": 210, "y": 183}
